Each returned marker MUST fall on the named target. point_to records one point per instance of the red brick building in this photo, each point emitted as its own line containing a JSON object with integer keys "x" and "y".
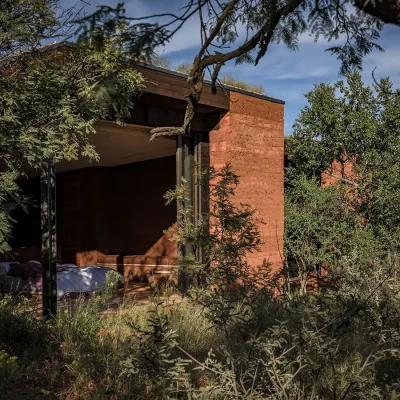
{"x": 113, "y": 212}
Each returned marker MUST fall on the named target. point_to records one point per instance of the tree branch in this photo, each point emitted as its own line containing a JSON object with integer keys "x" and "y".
{"x": 387, "y": 11}
{"x": 202, "y": 61}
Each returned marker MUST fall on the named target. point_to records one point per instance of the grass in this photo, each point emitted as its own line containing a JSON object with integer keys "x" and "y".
{"x": 80, "y": 354}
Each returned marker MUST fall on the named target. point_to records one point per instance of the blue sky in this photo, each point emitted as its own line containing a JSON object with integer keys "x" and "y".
{"x": 285, "y": 75}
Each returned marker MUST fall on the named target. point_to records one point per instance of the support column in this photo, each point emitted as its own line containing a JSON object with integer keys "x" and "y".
{"x": 201, "y": 185}
{"x": 49, "y": 242}
{"x": 184, "y": 169}
{"x": 188, "y": 163}
{"x": 179, "y": 171}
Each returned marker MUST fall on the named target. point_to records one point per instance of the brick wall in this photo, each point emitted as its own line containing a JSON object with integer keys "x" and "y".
{"x": 118, "y": 210}
{"x": 250, "y": 137}
{"x": 336, "y": 172}
{"x": 139, "y": 214}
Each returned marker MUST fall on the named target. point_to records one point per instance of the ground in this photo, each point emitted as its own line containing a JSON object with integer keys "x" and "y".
{"x": 138, "y": 292}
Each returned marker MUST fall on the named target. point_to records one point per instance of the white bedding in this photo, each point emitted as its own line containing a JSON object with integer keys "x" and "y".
{"x": 83, "y": 279}
{"x": 70, "y": 278}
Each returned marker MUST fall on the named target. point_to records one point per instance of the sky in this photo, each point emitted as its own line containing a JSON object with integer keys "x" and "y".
{"x": 283, "y": 74}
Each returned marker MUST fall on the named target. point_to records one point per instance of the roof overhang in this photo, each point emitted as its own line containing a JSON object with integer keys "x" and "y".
{"x": 118, "y": 145}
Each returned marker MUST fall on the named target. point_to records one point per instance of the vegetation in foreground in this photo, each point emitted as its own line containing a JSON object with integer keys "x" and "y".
{"x": 340, "y": 343}
{"x": 239, "y": 333}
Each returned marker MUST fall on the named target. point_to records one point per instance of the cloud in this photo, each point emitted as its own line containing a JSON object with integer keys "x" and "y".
{"x": 188, "y": 37}
{"x": 301, "y": 71}
{"x": 386, "y": 64}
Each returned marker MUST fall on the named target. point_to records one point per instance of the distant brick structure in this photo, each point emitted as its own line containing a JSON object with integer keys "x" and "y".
{"x": 338, "y": 172}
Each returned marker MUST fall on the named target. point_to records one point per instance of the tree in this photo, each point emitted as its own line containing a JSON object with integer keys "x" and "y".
{"x": 50, "y": 99}
{"x": 264, "y": 22}
{"x": 160, "y": 61}
{"x": 25, "y": 25}
{"x": 350, "y": 132}
{"x": 184, "y": 68}
{"x": 226, "y": 79}
{"x": 343, "y": 182}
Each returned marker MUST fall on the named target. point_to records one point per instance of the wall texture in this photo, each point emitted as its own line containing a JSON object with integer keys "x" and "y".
{"x": 119, "y": 210}
{"x": 251, "y": 138}
{"x": 139, "y": 214}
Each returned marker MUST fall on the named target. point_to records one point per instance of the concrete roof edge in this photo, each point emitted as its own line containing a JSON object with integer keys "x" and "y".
{"x": 181, "y": 75}
{"x": 227, "y": 87}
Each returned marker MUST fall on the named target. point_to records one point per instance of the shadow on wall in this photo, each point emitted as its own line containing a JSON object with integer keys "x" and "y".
{"x": 158, "y": 262}
{"x": 164, "y": 248}
{"x": 25, "y": 254}
{"x": 115, "y": 210}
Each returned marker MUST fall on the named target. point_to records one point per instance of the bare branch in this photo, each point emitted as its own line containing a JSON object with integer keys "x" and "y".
{"x": 166, "y": 131}
{"x": 378, "y": 84}
{"x": 217, "y": 27}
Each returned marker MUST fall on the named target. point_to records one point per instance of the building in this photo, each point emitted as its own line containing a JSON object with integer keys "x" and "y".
{"x": 113, "y": 212}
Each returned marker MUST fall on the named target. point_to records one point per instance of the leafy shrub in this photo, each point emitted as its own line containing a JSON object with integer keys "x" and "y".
{"x": 8, "y": 366}
{"x": 20, "y": 330}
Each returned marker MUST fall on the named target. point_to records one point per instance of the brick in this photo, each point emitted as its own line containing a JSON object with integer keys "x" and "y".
{"x": 250, "y": 137}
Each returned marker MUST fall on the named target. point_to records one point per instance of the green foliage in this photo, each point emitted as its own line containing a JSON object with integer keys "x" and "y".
{"x": 16, "y": 320}
{"x": 10, "y": 199}
{"x": 348, "y": 132}
{"x": 321, "y": 228}
{"x": 184, "y": 68}
{"x": 50, "y": 98}
{"x": 91, "y": 353}
{"x": 25, "y": 23}
{"x": 263, "y": 21}
{"x": 8, "y": 367}
{"x": 49, "y": 107}
{"x": 229, "y": 80}
{"x": 341, "y": 342}
{"x": 138, "y": 41}
{"x": 225, "y": 235}
{"x": 358, "y": 127}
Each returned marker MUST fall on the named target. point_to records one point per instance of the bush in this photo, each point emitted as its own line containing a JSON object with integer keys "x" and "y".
{"x": 238, "y": 333}
{"x": 21, "y": 333}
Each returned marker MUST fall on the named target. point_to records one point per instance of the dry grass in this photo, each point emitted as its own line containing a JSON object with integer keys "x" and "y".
{"x": 81, "y": 352}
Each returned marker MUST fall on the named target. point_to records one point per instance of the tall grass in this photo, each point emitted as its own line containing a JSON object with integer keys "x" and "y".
{"x": 81, "y": 353}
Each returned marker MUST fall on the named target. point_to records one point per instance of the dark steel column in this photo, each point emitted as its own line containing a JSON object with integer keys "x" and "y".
{"x": 188, "y": 174}
{"x": 184, "y": 169}
{"x": 49, "y": 242}
{"x": 201, "y": 184}
{"x": 179, "y": 172}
